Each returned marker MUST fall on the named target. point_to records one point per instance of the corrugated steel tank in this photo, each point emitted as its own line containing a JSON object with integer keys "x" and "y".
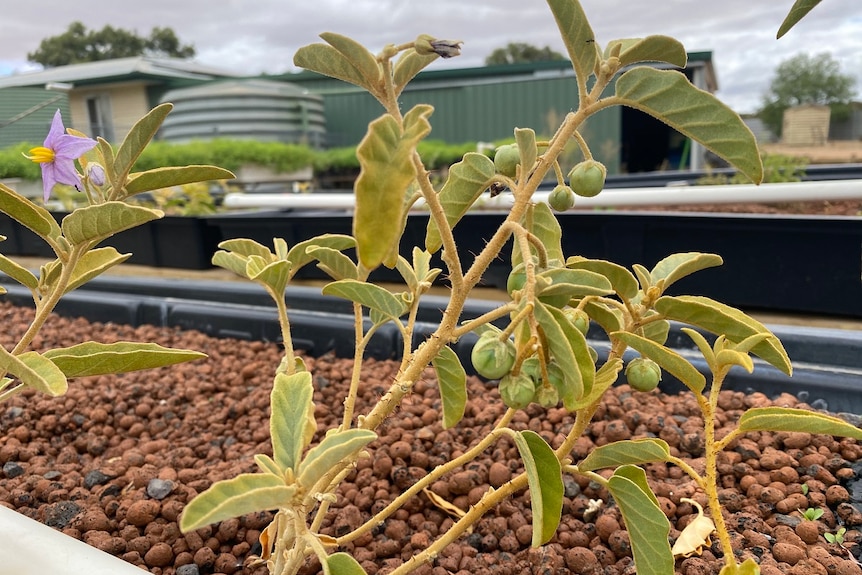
{"x": 252, "y": 109}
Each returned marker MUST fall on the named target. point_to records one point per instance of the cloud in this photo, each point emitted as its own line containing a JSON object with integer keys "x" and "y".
{"x": 262, "y": 36}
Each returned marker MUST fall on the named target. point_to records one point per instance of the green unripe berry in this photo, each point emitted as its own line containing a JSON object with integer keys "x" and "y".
{"x": 547, "y": 396}
{"x": 578, "y": 318}
{"x": 506, "y": 160}
{"x": 561, "y": 198}
{"x": 588, "y": 178}
{"x": 643, "y": 374}
{"x": 517, "y": 279}
{"x": 517, "y": 391}
{"x": 491, "y": 357}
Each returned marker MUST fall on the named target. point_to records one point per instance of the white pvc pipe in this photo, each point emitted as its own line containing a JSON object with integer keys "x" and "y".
{"x": 670, "y": 195}
{"x": 28, "y": 547}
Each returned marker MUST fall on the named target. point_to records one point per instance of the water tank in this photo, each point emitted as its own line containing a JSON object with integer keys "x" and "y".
{"x": 251, "y": 109}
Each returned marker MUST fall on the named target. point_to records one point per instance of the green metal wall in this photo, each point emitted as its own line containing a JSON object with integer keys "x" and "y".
{"x": 34, "y": 127}
{"x": 468, "y": 110}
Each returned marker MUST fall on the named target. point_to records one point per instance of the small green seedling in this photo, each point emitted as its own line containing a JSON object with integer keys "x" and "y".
{"x": 837, "y": 537}
{"x": 812, "y": 514}
{"x": 805, "y": 489}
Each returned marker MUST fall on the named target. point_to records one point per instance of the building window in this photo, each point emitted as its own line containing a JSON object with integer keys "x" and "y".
{"x": 99, "y": 112}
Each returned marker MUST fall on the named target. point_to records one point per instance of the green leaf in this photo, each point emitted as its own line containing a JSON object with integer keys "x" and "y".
{"x": 28, "y": 214}
{"x": 610, "y": 318}
{"x": 275, "y": 275}
{"x": 94, "y": 263}
{"x": 704, "y": 347}
{"x": 453, "y": 385}
{"x": 606, "y": 376}
{"x": 326, "y": 60}
{"x": 408, "y": 65}
{"x": 407, "y": 273}
{"x": 546, "y": 227}
{"x": 790, "y": 419}
{"x": 245, "y": 493}
{"x": 650, "y": 49}
{"x": 386, "y": 172}
{"x": 299, "y": 255}
{"x": 669, "y": 360}
{"x": 292, "y": 412}
{"x": 797, "y": 12}
{"x": 718, "y": 318}
{"x": 18, "y": 273}
{"x": 359, "y": 57}
{"x": 578, "y": 37}
{"x": 267, "y": 465}
{"x": 544, "y": 476}
{"x": 100, "y": 221}
{"x": 637, "y": 476}
{"x": 337, "y": 265}
{"x": 656, "y": 331}
{"x": 342, "y": 564}
{"x": 627, "y": 452}
{"x": 136, "y": 140}
{"x": 575, "y": 283}
{"x": 246, "y": 247}
{"x": 106, "y": 153}
{"x": 734, "y": 357}
{"x": 569, "y": 349}
{"x": 35, "y": 371}
{"x": 677, "y": 266}
{"x": 335, "y": 448}
{"x": 370, "y": 295}
{"x": 92, "y": 358}
{"x": 622, "y": 280}
{"x": 668, "y": 96}
{"x": 526, "y": 140}
{"x": 231, "y": 262}
{"x": 646, "y": 524}
{"x": 466, "y": 182}
{"x": 172, "y": 176}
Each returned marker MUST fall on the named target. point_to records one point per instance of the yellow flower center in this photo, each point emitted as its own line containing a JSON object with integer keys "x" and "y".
{"x": 41, "y": 155}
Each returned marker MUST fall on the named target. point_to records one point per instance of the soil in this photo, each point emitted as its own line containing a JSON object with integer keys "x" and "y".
{"x": 114, "y": 461}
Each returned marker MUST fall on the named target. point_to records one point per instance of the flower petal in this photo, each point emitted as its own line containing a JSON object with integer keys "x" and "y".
{"x": 57, "y": 130}
{"x": 72, "y": 147}
{"x": 64, "y": 172}
{"x": 47, "y": 180}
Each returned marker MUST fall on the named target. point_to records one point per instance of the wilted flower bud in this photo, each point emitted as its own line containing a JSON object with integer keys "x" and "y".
{"x": 95, "y": 174}
{"x": 427, "y": 45}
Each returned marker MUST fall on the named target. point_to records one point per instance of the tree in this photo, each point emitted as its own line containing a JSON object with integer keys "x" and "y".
{"x": 517, "y": 52}
{"x": 806, "y": 79}
{"x": 77, "y": 44}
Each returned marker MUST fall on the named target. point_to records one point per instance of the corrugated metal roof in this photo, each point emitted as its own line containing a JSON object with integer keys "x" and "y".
{"x": 118, "y": 69}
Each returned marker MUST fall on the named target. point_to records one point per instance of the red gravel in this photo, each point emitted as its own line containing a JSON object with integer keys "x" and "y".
{"x": 115, "y": 460}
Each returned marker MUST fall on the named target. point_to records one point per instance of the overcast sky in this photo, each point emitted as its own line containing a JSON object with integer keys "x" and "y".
{"x": 252, "y": 37}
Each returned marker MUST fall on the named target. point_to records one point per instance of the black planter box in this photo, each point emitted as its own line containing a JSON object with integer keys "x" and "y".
{"x": 827, "y": 362}
{"x": 798, "y": 264}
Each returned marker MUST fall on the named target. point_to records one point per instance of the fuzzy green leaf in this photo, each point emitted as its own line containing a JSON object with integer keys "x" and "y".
{"x": 544, "y": 476}
{"x": 342, "y": 564}
{"x": 606, "y": 376}
{"x": 231, "y": 262}
{"x": 92, "y": 358}
{"x": 646, "y": 524}
{"x": 35, "y": 371}
{"x": 385, "y": 157}
{"x": 245, "y": 493}
{"x": 677, "y": 266}
{"x": 718, "y": 318}
{"x": 627, "y": 452}
{"x": 452, "y": 380}
{"x": 622, "y": 280}
{"x": 408, "y": 65}
{"x": 326, "y": 60}
{"x": 542, "y": 223}
{"x": 172, "y": 176}
{"x": 526, "y": 140}
{"x": 668, "y": 96}
{"x": 578, "y": 37}
{"x": 299, "y": 255}
{"x": 275, "y": 275}
{"x": 28, "y": 214}
{"x": 359, "y": 57}
{"x": 292, "y": 411}
{"x": 669, "y": 360}
{"x": 569, "y": 349}
{"x": 370, "y": 295}
{"x": 574, "y": 283}
{"x": 136, "y": 140}
{"x": 609, "y": 317}
{"x": 797, "y": 12}
{"x": 246, "y": 247}
{"x": 93, "y": 264}
{"x": 336, "y": 265}
{"x": 789, "y": 419}
{"x": 18, "y": 273}
{"x": 100, "y": 221}
{"x": 466, "y": 182}
{"x": 335, "y": 448}
{"x": 650, "y": 49}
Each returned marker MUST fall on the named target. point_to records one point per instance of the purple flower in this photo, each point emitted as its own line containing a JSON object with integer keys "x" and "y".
{"x": 57, "y": 156}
